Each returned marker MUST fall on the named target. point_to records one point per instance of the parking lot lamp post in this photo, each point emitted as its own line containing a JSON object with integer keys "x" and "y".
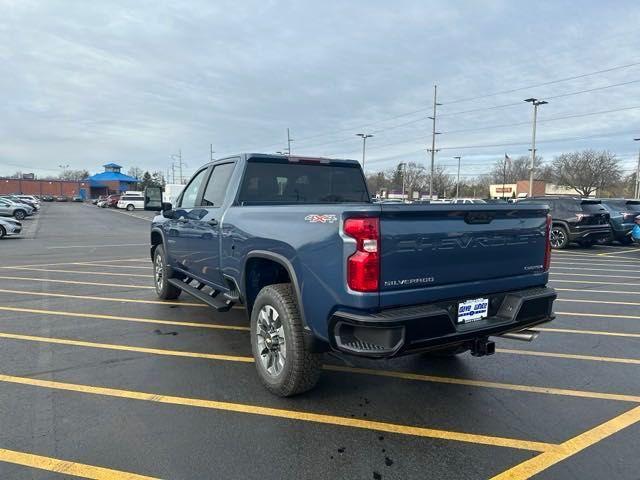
{"x": 535, "y": 103}
{"x": 404, "y": 168}
{"x": 637, "y": 190}
{"x": 458, "y": 181}
{"x": 364, "y": 144}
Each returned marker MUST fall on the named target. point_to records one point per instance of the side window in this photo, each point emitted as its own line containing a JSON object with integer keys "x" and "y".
{"x": 190, "y": 193}
{"x": 217, "y": 186}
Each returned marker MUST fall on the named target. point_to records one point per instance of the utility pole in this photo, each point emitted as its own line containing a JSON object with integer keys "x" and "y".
{"x": 173, "y": 172}
{"x": 532, "y": 165}
{"x": 433, "y": 141}
{"x": 404, "y": 169}
{"x": 211, "y": 152}
{"x": 637, "y": 190}
{"x": 364, "y": 144}
{"x": 179, "y": 158}
{"x": 458, "y": 181}
{"x": 289, "y": 140}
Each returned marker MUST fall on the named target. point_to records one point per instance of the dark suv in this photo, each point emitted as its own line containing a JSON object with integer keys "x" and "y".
{"x": 574, "y": 219}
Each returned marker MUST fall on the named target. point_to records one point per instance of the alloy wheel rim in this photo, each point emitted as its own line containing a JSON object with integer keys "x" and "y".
{"x": 557, "y": 238}
{"x": 272, "y": 346}
{"x": 159, "y": 272}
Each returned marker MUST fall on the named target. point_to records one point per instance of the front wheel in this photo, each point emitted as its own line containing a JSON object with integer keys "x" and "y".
{"x": 559, "y": 237}
{"x": 130, "y": 208}
{"x": 284, "y": 364}
{"x": 164, "y": 289}
{"x": 2, "y": 232}
{"x": 19, "y": 214}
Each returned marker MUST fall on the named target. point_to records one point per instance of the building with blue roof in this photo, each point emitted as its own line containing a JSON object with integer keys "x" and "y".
{"x": 111, "y": 181}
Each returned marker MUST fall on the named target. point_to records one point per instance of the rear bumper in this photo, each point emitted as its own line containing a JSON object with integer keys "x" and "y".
{"x": 400, "y": 331}
{"x": 592, "y": 233}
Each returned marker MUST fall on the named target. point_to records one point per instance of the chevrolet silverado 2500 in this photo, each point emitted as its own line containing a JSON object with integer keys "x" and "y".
{"x": 320, "y": 267}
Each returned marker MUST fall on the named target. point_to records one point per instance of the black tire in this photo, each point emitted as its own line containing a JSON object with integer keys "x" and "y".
{"x": 130, "y": 208}
{"x": 19, "y": 214}
{"x": 164, "y": 289}
{"x": 559, "y": 237}
{"x": 626, "y": 240}
{"x": 586, "y": 244}
{"x": 2, "y": 232}
{"x": 300, "y": 370}
{"x": 448, "y": 352}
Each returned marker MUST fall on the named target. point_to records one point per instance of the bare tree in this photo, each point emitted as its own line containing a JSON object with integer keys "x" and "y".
{"x": 415, "y": 177}
{"x": 75, "y": 175}
{"x": 518, "y": 169}
{"x": 587, "y": 171}
{"x": 443, "y": 182}
{"x": 135, "y": 172}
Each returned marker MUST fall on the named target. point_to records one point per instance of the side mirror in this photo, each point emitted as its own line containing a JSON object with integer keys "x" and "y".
{"x": 153, "y": 199}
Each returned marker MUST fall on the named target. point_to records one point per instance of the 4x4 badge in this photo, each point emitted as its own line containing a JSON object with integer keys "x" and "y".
{"x": 315, "y": 218}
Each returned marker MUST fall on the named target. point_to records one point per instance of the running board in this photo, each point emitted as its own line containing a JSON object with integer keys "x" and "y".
{"x": 220, "y": 304}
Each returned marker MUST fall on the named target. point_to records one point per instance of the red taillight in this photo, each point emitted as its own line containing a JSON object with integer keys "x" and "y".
{"x": 547, "y": 252}
{"x": 363, "y": 267}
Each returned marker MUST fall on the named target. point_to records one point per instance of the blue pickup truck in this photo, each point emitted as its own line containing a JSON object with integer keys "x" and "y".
{"x": 319, "y": 267}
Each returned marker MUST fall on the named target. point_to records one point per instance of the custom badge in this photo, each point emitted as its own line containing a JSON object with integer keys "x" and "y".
{"x": 315, "y": 218}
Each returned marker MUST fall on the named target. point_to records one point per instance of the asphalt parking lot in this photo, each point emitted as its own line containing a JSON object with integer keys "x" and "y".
{"x": 99, "y": 379}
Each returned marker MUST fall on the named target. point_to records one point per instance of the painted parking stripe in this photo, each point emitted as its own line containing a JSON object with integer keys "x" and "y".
{"x": 612, "y": 254}
{"x": 79, "y": 272}
{"x": 597, "y": 264}
{"x": 632, "y": 270}
{"x": 139, "y": 267}
{"x": 296, "y": 415}
{"x": 594, "y": 275}
{"x": 74, "y": 282}
{"x": 599, "y": 315}
{"x": 66, "y": 467}
{"x": 535, "y": 465}
{"x": 588, "y": 332}
{"x": 71, "y": 263}
{"x": 570, "y": 356}
{"x": 596, "y": 291}
{"x": 340, "y": 369}
{"x": 591, "y": 282}
{"x": 100, "y": 246}
{"x": 602, "y": 302}
{"x": 103, "y": 299}
{"x": 125, "y": 319}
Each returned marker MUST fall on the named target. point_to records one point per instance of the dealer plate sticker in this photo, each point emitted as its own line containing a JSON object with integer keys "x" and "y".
{"x": 473, "y": 310}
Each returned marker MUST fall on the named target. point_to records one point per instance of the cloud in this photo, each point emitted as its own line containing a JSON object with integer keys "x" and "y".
{"x": 86, "y": 83}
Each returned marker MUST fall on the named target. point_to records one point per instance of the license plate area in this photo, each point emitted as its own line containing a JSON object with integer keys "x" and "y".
{"x": 472, "y": 310}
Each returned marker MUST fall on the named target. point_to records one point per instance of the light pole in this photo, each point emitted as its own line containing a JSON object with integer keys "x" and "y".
{"x": 637, "y": 190}
{"x": 364, "y": 144}
{"x": 458, "y": 181}
{"x": 404, "y": 169}
{"x": 433, "y": 140}
{"x": 535, "y": 103}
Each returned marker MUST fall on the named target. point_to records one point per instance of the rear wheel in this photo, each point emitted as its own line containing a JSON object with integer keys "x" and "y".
{"x": 19, "y": 214}
{"x": 130, "y": 208}
{"x": 164, "y": 289}
{"x": 559, "y": 237}
{"x": 626, "y": 240}
{"x": 3, "y": 232}
{"x": 284, "y": 364}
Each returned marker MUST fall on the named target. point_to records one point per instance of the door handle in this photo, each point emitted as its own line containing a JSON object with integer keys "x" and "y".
{"x": 213, "y": 223}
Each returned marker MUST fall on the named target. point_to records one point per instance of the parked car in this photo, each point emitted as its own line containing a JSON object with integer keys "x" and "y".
{"x": 9, "y": 226}
{"x": 131, "y": 201}
{"x": 95, "y": 201}
{"x": 571, "y": 222}
{"x": 622, "y": 218}
{"x": 22, "y": 201}
{"x": 77, "y": 198}
{"x": 467, "y": 201}
{"x": 17, "y": 210}
{"x": 62, "y": 198}
{"x": 47, "y": 198}
{"x": 320, "y": 267}
{"x": 111, "y": 201}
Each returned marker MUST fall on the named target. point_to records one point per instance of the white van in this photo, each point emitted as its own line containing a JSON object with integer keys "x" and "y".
{"x": 131, "y": 200}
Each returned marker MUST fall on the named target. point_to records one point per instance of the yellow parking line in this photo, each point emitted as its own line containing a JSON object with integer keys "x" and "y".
{"x": 296, "y": 415}
{"x": 139, "y": 267}
{"x": 124, "y": 319}
{"x": 594, "y": 275}
{"x": 74, "y": 282}
{"x": 595, "y": 291}
{"x": 570, "y": 356}
{"x": 340, "y": 369}
{"x": 106, "y": 299}
{"x": 575, "y": 300}
{"x": 599, "y": 315}
{"x": 65, "y": 467}
{"x": 535, "y": 465}
{"x": 614, "y": 254}
{"x": 589, "y": 332}
{"x": 127, "y": 348}
{"x": 80, "y": 272}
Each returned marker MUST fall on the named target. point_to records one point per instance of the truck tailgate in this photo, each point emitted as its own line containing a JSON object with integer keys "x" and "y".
{"x": 427, "y": 248}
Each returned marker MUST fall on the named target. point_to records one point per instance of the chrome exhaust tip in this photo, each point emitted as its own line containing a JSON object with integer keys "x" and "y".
{"x": 522, "y": 335}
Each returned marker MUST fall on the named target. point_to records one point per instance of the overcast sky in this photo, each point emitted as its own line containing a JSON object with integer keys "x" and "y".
{"x": 86, "y": 83}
